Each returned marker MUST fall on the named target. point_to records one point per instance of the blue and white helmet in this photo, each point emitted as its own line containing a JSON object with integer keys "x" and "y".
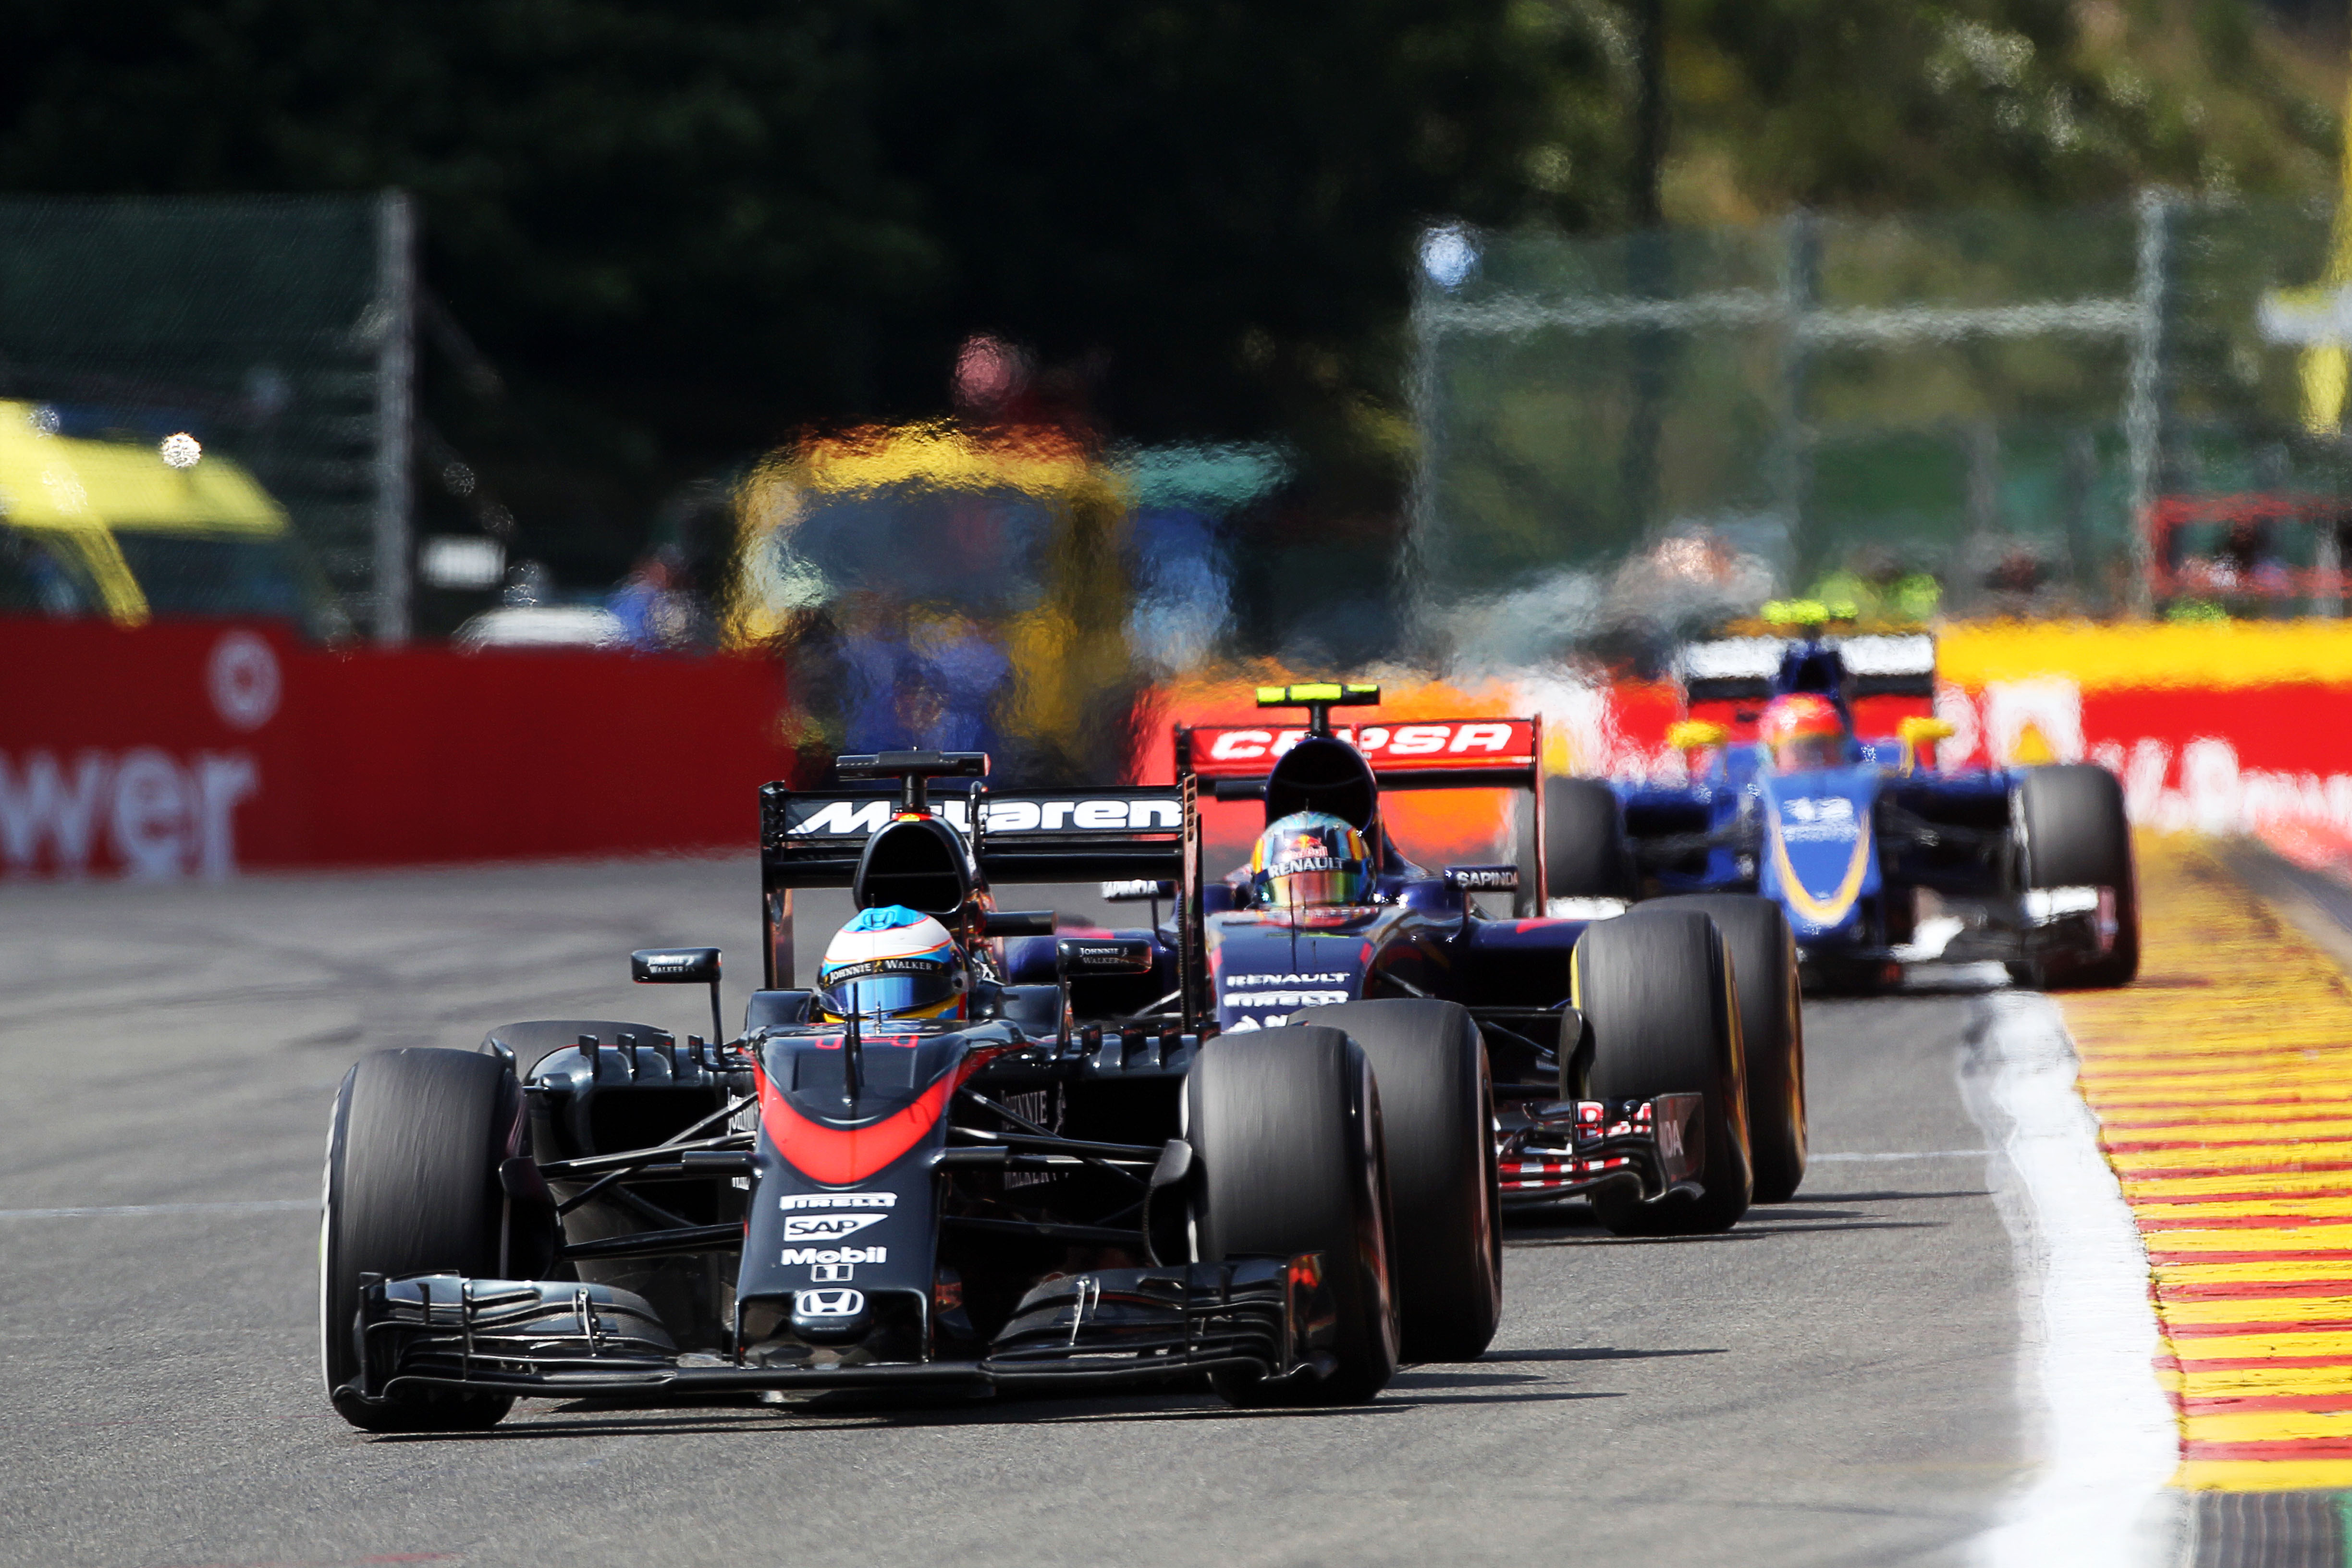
{"x": 892, "y": 961}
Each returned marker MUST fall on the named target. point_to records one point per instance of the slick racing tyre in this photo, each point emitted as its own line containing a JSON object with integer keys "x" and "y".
{"x": 1657, "y": 987}
{"x": 1585, "y": 852}
{"x": 1772, "y": 1031}
{"x": 1286, "y": 1126}
{"x": 2071, "y": 833}
{"x": 412, "y": 1187}
{"x": 1438, "y": 1117}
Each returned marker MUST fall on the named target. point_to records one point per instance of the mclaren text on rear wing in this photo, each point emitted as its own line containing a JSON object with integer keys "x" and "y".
{"x": 1417, "y": 754}
{"x": 812, "y": 838}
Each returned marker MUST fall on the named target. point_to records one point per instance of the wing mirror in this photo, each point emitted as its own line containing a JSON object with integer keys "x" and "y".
{"x": 1087, "y": 956}
{"x": 1084, "y": 957}
{"x": 1695, "y": 734}
{"x": 1918, "y": 730}
{"x": 682, "y": 967}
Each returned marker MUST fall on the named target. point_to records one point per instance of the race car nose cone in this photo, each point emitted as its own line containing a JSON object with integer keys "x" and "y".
{"x": 831, "y": 1317}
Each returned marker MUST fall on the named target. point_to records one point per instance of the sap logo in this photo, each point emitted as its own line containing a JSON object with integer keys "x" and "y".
{"x": 839, "y": 1200}
{"x": 161, "y": 818}
{"x": 827, "y": 1227}
{"x": 828, "y": 1303}
{"x": 808, "y": 1256}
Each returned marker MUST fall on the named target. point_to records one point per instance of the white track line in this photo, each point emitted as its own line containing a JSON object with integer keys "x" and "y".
{"x": 256, "y": 1205}
{"x": 1906, "y": 1154}
{"x": 2108, "y": 1441}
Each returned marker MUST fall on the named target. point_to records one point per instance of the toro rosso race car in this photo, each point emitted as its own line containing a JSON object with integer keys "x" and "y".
{"x": 1653, "y": 1067}
{"x": 1857, "y": 835}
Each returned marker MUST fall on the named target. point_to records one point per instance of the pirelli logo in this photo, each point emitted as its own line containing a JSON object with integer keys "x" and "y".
{"x": 1160, "y": 812}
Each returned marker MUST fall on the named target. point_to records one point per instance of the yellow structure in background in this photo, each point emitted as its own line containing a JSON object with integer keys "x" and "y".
{"x": 1066, "y": 646}
{"x": 2205, "y": 654}
{"x": 2322, "y": 366}
{"x": 77, "y": 497}
{"x": 2223, "y": 1083}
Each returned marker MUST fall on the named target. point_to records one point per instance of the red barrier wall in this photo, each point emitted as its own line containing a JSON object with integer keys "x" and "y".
{"x": 202, "y": 748}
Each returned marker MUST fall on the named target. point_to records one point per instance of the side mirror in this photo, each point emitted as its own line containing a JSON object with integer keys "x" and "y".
{"x": 1017, "y": 922}
{"x": 682, "y": 967}
{"x": 1694, "y": 735}
{"x": 675, "y": 966}
{"x": 1080, "y": 956}
{"x": 1920, "y": 731}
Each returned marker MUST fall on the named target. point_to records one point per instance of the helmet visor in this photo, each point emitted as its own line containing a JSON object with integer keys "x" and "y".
{"x": 1349, "y": 883}
{"x": 904, "y": 994}
{"x": 1809, "y": 753}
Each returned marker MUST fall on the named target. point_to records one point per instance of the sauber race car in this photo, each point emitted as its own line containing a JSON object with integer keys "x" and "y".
{"x": 842, "y": 1199}
{"x": 1653, "y": 1066}
{"x": 1857, "y": 835}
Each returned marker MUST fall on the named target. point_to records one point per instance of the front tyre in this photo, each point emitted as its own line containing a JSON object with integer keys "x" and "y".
{"x": 1772, "y": 1031}
{"x": 2073, "y": 833}
{"x": 1437, "y": 1118}
{"x": 412, "y": 1187}
{"x": 1656, "y": 986}
{"x": 1286, "y": 1126}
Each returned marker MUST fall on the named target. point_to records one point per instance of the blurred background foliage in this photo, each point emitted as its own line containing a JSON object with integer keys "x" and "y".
{"x": 668, "y": 234}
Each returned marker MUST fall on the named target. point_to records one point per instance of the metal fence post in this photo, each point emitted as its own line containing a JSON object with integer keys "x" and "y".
{"x": 1418, "y": 558}
{"x": 2143, "y": 428}
{"x": 395, "y": 410}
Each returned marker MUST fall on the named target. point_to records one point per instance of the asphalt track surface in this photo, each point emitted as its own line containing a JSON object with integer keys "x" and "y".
{"x": 1837, "y": 1381}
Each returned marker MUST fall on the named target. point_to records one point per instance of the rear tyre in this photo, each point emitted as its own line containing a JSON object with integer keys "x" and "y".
{"x": 1771, "y": 1032}
{"x": 1286, "y": 1126}
{"x": 1585, "y": 853}
{"x": 412, "y": 1187}
{"x": 1656, "y": 986}
{"x": 2073, "y": 833}
{"x": 1437, "y": 1121}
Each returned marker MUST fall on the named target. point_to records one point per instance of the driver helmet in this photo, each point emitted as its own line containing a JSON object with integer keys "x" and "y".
{"x": 1309, "y": 859}
{"x": 1803, "y": 732}
{"x": 892, "y": 961}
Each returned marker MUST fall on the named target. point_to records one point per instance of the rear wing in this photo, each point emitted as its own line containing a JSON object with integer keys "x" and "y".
{"x": 1421, "y": 753}
{"x": 1234, "y": 761}
{"x": 812, "y": 838}
{"x": 1742, "y": 669}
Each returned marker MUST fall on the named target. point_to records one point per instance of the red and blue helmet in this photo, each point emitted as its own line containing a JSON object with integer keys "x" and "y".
{"x": 1310, "y": 859}
{"x": 892, "y": 961}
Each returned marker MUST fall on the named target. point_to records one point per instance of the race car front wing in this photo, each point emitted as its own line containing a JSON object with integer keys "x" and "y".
{"x": 547, "y": 1339}
{"x": 1574, "y": 1148}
